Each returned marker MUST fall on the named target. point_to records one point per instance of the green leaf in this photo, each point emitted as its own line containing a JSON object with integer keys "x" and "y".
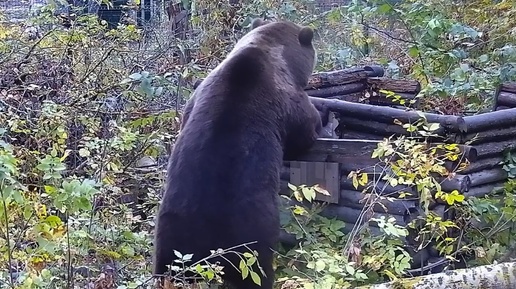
{"x": 319, "y": 265}
{"x": 413, "y": 51}
{"x": 256, "y": 279}
{"x": 292, "y": 187}
{"x": 83, "y": 152}
{"x": 384, "y": 8}
{"x": 244, "y": 269}
{"x": 308, "y": 193}
{"x": 187, "y": 257}
{"x": 17, "y": 196}
{"x": 178, "y": 255}
{"x": 43, "y": 167}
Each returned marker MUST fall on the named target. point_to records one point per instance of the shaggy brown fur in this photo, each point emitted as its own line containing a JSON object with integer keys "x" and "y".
{"x": 224, "y": 170}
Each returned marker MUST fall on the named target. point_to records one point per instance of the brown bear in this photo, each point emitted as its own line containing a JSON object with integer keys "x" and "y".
{"x": 223, "y": 176}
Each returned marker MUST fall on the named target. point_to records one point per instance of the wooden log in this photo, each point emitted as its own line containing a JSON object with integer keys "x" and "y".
{"x": 345, "y": 132}
{"x": 395, "y": 85}
{"x": 347, "y": 215}
{"x": 374, "y": 70}
{"x": 337, "y": 77}
{"x": 492, "y": 135}
{"x": 380, "y": 187}
{"x": 350, "y": 215}
{"x": 506, "y": 99}
{"x": 487, "y": 176}
{"x": 490, "y": 120}
{"x": 374, "y": 167}
{"x": 499, "y": 276}
{"x": 461, "y": 183}
{"x": 368, "y": 165}
{"x": 344, "y": 76}
{"x": 509, "y": 86}
{"x": 336, "y": 150}
{"x": 484, "y": 190}
{"x": 352, "y": 97}
{"x": 466, "y": 152}
{"x": 482, "y": 164}
{"x": 346, "y": 150}
{"x": 291, "y": 240}
{"x": 382, "y": 99}
{"x": 358, "y": 200}
{"x": 493, "y": 149}
{"x": 372, "y": 127}
{"x": 337, "y": 90}
{"x": 387, "y": 114}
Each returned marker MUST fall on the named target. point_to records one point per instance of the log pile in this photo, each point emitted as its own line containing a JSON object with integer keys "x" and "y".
{"x": 362, "y": 124}
{"x": 505, "y": 96}
{"x": 362, "y": 85}
{"x": 365, "y": 116}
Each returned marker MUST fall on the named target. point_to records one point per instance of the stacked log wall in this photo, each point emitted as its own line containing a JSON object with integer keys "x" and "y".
{"x": 505, "y": 96}
{"x": 366, "y": 115}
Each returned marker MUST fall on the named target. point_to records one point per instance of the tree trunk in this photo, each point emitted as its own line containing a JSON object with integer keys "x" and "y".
{"x": 499, "y": 276}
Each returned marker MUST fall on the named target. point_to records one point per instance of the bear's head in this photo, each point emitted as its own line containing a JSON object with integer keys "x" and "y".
{"x": 289, "y": 44}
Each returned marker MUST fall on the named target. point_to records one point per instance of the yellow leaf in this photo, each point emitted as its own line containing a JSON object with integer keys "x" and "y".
{"x": 363, "y": 179}
{"x": 355, "y": 182}
{"x": 321, "y": 190}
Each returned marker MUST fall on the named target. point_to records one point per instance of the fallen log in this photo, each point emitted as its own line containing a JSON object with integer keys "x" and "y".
{"x": 506, "y": 99}
{"x": 337, "y": 90}
{"x": 492, "y": 149}
{"x": 461, "y": 183}
{"x": 490, "y": 120}
{"x": 394, "y": 85}
{"x": 347, "y": 215}
{"x": 509, "y": 86}
{"x": 356, "y": 154}
{"x": 345, "y": 132}
{"x": 337, "y": 77}
{"x": 484, "y": 190}
{"x": 492, "y": 135}
{"x": 337, "y": 150}
{"x": 373, "y": 167}
{"x": 382, "y": 99}
{"x": 466, "y": 152}
{"x": 344, "y": 76}
{"x": 499, "y": 276}
{"x": 380, "y": 187}
{"x": 351, "y": 216}
{"x": 366, "y": 164}
{"x": 487, "y": 176}
{"x": 381, "y": 204}
{"x": 388, "y": 115}
{"x": 372, "y": 127}
{"x": 352, "y": 97}
{"x": 482, "y": 164}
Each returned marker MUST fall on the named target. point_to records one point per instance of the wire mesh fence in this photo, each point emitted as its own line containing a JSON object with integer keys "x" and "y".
{"x": 148, "y": 13}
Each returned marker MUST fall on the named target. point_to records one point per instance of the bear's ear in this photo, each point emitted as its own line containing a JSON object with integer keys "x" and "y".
{"x": 305, "y": 36}
{"x": 257, "y": 22}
